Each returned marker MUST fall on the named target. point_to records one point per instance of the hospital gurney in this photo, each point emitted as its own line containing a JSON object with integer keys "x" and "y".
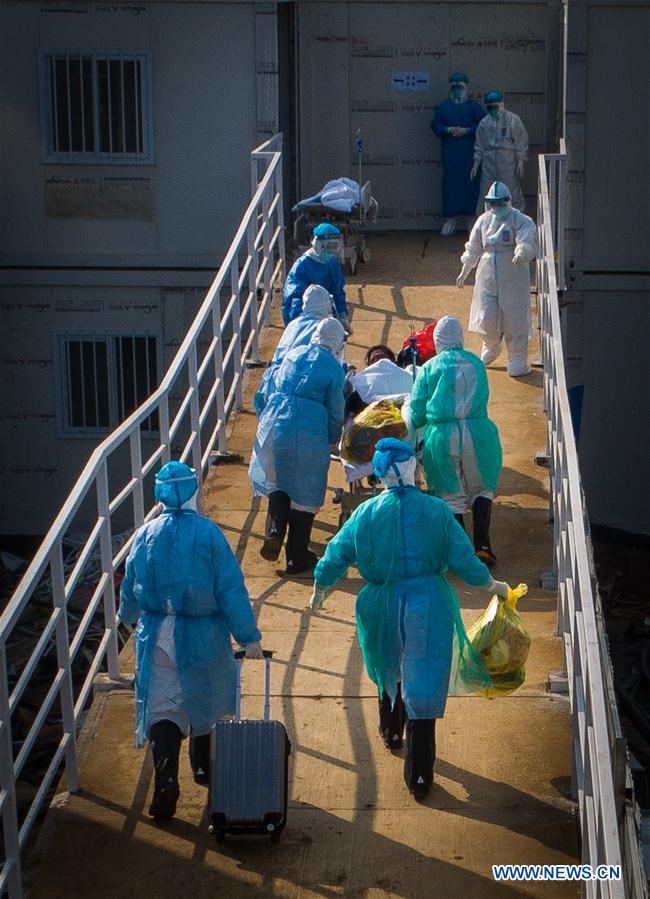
{"x": 351, "y": 209}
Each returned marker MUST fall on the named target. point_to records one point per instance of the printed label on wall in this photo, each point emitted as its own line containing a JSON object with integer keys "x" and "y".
{"x": 410, "y": 81}
{"x": 135, "y": 9}
{"x": 109, "y": 198}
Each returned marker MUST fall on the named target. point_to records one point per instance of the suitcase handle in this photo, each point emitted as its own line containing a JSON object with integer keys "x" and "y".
{"x": 239, "y": 656}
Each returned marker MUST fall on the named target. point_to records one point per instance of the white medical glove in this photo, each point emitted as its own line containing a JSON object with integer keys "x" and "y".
{"x": 498, "y": 587}
{"x": 519, "y": 260}
{"x": 464, "y": 274}
{"x": 521, "y": 169}
{"x": 474, "y": 171}
{"x": 254, "y": 650}
{"x": 455, "y": 131}
{"x": 461, "y": 132}
{"x": 317, "y": 599}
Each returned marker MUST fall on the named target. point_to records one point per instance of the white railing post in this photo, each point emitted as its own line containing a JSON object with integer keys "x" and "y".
{"x": 136, "y": 474}
{"x": 279, "y": 192}
{"x": 236, "y": 326}
{"x": 163, "y": 424}
{"x": 195, "y": 413}
{"x": 218, "y": 373}
{"x": 252, "y": 289}
{"x": 106, "y": 555}
{"x": 267, "y": 256}
{"x": 62, "y": 638}
{"x": 10, "y": 836}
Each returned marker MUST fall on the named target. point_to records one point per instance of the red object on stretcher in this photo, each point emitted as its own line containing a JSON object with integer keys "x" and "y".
{"x": 423, "y": 342}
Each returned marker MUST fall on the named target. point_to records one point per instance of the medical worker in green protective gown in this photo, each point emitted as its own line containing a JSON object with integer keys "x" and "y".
{"x": 462, "y": 451}
{"x": 408, "y": 620}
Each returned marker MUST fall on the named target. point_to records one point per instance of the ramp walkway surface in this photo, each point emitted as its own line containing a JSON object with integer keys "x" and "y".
{"x": 502, "y": 775}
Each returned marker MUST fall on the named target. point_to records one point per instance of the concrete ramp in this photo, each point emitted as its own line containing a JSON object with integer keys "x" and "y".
{"x": 503, "y": 769}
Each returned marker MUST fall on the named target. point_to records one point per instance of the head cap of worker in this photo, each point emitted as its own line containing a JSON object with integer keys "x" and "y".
{"x": 326, "y": 241}
{"x": 316, "y": 301}
{"x": 176, "y": 484}
{"x": 498, "y": 200}
{"x": 448, "y": 334}
{"x": 329, "y": 335}
{"x": 458, "y": 82}
{"x": 394, "y": 462}
{"x": 494, "y": 104}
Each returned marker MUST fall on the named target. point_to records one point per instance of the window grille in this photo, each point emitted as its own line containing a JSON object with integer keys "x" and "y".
{"x": 97, "y": 107}
{"x": 105, "y": 379}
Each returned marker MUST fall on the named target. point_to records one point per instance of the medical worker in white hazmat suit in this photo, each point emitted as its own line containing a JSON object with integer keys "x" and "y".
{"x": 503, "y": 242}
{"x": 501, "y": 149}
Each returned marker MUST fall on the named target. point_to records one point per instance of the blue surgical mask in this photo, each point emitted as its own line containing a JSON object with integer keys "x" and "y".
{"x": 458, "y": 93}
{"x": 495, "y": 111}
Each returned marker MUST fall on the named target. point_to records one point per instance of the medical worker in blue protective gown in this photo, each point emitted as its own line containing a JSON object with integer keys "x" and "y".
{"x": 455, "y": 123}
{"x": 410, "y": 628}
{"x": 319, "y": 265}
{"x": 186, "y": 590}
{"x": 501, "y": 150}
{"x": 503, "y": 242}
{"x": 301, "y": 415}
{"x": 462, "y": 452}
{"x": 317, "y": 305}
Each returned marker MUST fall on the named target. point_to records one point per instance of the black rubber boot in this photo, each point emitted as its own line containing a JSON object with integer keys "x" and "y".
{"x": 299, "y": 557}
{"x": 165, "y": 738}
{"x": 460, "y": 518}
{"x": 481, "y": 514}
{"x": 200, "y": 758}
{"x": 277, "y": 519}
{"x": 420, "y": 756}
{"x": 392, "y": 721}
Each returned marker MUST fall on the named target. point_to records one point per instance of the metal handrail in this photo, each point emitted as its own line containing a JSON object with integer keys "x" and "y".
{"x": 596, "y": 756}
{"x": 199, "y": 371}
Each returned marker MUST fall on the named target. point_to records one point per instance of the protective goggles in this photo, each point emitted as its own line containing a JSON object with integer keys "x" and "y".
{"x": 496, "y": 204}
{"x": 457, "y": 84}
{"x": 329, "y": 244}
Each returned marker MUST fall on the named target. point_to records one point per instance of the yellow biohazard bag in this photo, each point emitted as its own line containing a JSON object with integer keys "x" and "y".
{"x": 380, "y": 419}
{"x": 502, "y": 641}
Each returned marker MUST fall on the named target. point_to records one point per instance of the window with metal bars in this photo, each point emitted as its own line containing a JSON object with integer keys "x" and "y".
{"x": 105, "y": 379}
{"x": 97, "y": 107}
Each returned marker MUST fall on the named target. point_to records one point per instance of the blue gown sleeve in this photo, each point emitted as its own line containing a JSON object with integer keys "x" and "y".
{"x": 261, "y": 398}
{"x": 335, "y": 405}
{"x": 437, "y": 125}
{"x": 230, "y": 592}
{"x": 129, "y": 610}
{"x": 294, "y": 287}
{"x": 461, "y": 555}
{"x": 338, "y": 288}
{"x": 340, "y": 554}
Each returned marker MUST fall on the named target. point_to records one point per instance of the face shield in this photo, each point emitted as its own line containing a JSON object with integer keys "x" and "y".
{"x": 327, "y": 247}
{"x": 500, "y": 208}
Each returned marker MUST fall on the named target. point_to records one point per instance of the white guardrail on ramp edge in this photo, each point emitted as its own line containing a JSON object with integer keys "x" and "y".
{"x": 601, "y": 780}
{"x": 191, "y": 407}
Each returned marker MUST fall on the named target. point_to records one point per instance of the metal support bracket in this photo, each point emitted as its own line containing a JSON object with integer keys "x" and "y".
{"x": 557, "y": 683}
{"x": 548, "y": 580}
{"x": 542, "y": 459}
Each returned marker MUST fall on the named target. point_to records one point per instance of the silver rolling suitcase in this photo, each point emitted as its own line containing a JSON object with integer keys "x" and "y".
{"x": 249, "y": 770}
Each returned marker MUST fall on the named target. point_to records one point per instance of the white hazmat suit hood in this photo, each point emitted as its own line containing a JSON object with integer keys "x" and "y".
{"x": 330, "y": 335}
{"x": 316, "y": 301}
{"x": 448, "y": 334}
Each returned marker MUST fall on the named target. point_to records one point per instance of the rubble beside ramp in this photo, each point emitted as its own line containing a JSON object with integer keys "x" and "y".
{"x": 503, "y": 767}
